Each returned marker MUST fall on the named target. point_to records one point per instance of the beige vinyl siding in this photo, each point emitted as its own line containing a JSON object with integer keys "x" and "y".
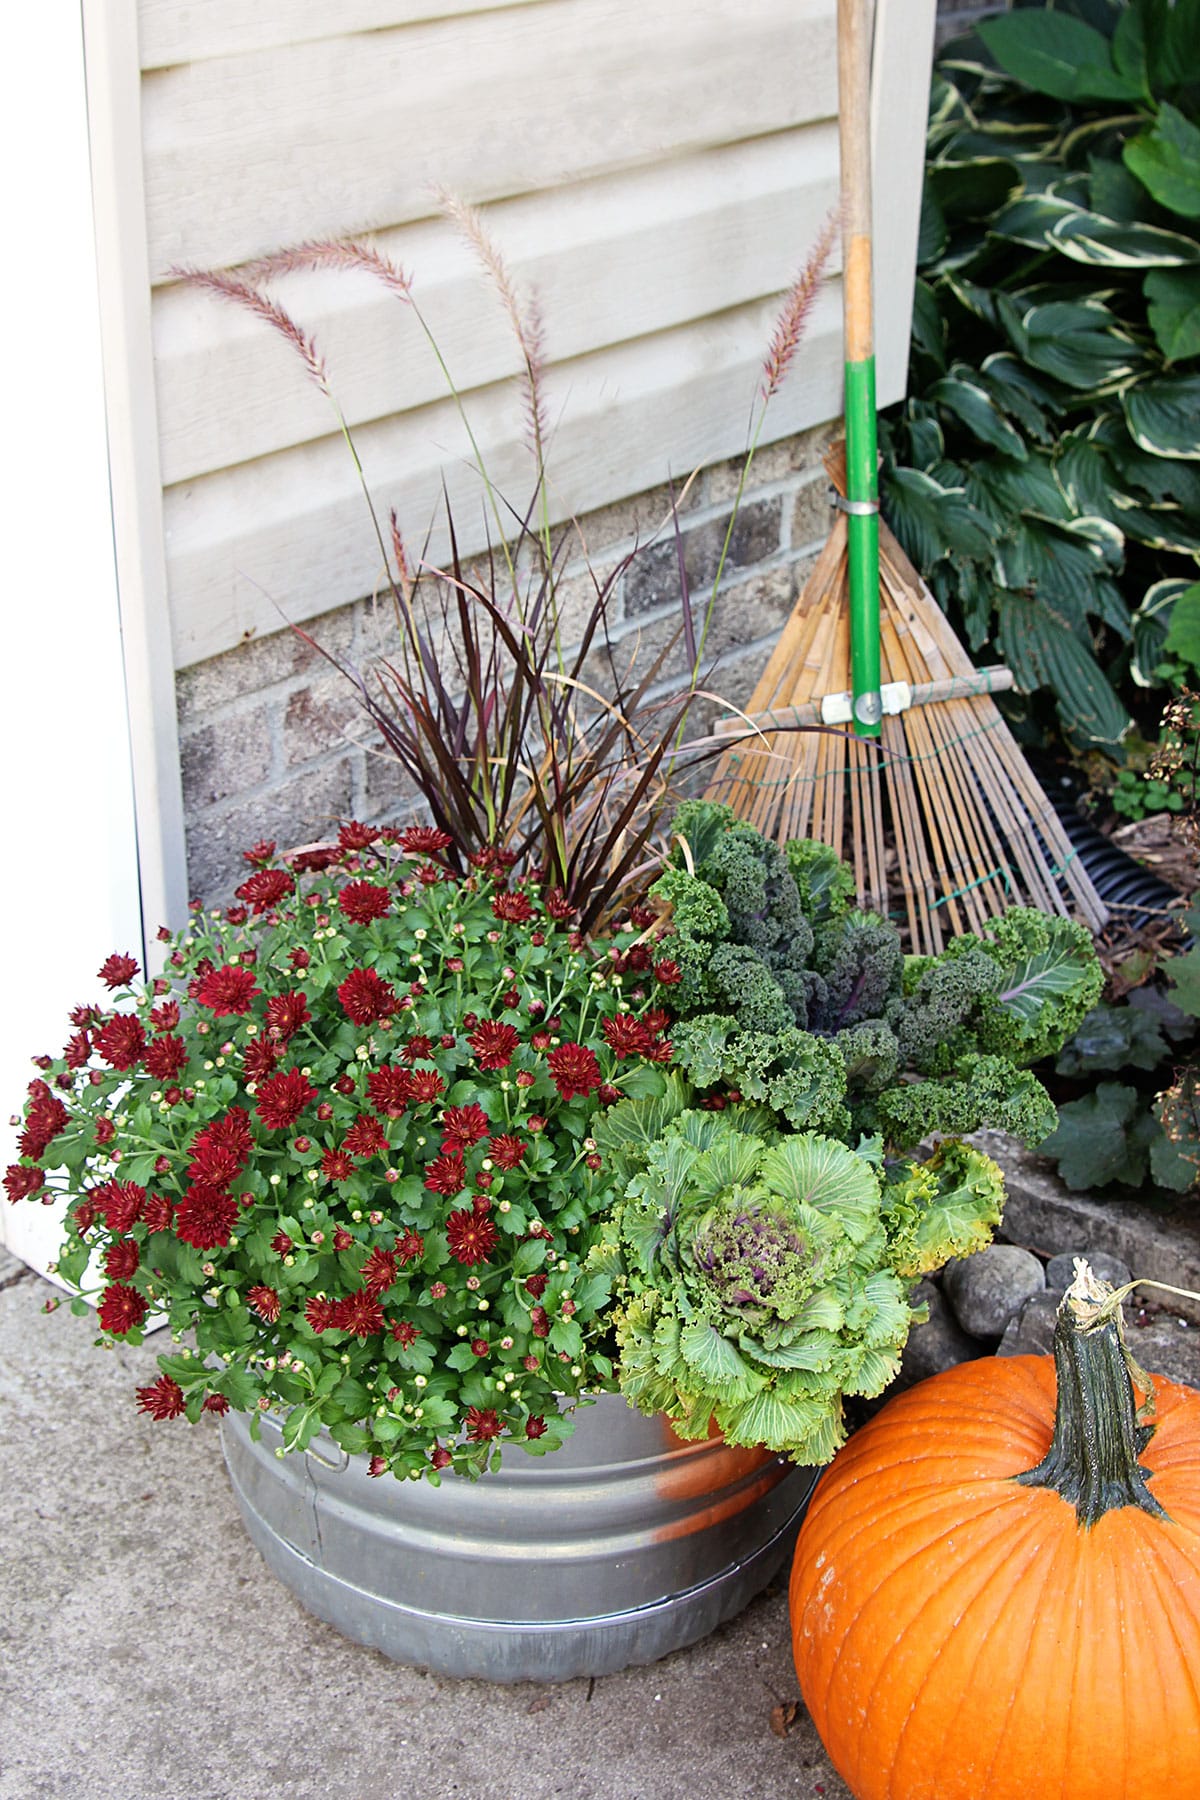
{"x": 657, "y": 172}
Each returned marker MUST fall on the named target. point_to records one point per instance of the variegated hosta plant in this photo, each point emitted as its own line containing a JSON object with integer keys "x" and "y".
{"x": 1043, "y": 473}
{"x": 762, "y": 1276}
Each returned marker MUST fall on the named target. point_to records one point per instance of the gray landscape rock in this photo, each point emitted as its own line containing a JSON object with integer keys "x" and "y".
{"x": 988, "y": 1289}
{"x": 1165, "y": 1345}
{"x": 1060, "y": 1270}
{"x": 1031, "y": 1332}
{"x": 936, "y": 1345}
{"x": 1040, "y": 1211}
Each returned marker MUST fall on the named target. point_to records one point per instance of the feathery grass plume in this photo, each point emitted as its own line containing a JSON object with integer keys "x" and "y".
{"x": 526, "y": 318}
{"x": 794, "y": 313}
{"x": 333, "y": 253}
{"x": 243, "y": 293}
{"x": 502, "y": 730}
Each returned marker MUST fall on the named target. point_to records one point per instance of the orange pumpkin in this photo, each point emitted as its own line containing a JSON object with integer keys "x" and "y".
{"x": 998, "y": 1598}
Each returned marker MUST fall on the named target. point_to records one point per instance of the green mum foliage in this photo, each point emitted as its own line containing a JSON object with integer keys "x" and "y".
{"x": 826, "y": 1021}
{"x": 761, "y": 1277}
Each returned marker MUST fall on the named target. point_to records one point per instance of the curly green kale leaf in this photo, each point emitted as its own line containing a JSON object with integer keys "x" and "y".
{"x": 982, "y": 1092}
{"x": 752, "y": 876}
{"x": 861, "y": 964}
{"x": 1050, "y": 977}
{"x": 871, "y": 1055}
{"x": 701, "y": 825}
{"x": 802, "y": 1077}
{"x": 823, "y": 881}
{"x": 935, "y": 1023}
{"x": 947, "y": 1206}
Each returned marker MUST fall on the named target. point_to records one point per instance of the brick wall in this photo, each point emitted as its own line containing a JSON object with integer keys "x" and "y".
{"x": 273, "y": 743}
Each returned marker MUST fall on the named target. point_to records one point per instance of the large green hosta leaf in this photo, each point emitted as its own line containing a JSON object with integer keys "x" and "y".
{"x": 1058, "y": 55}
{"x": 1164, "y": 416}
{"x": 1166, "y": 157}
{"x": 931, "y": 520}
{"x": 1173, "y": 297}
{"x": 1042, "y": 650}
{"x": 970, "y": 401}
{"x": 1151, "y": 622}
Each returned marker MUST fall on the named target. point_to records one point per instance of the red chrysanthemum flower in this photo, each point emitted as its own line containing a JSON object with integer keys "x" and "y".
{"x": 286, "y": 1013}
{"x": 321, "y": 1314}
{"x": 206, "y": 1217}
{"x": 390, "y": 1089}
{"x": 429, "y": 875}
{"x": 215, "y": 1403}
{"x": 262, "y": 852}
{"x": 166, "y": 1057}
{"x": 379, "y": 1272}
{"x": 336, "y": 1166}
{"x": 482, "y": 1423}
{"x": 625, "y": 1035}
{"x": 282, "y": 1098}
{"x": 494, "y": 1045}
{"x": 506, "y": 1149}
{"x": 44, "y": 1119}
{"x": 121, "y": 1042}
{"x": 446, "y": 1174}
{"x": 515, "y": 909}
{"x": 425, "y": 1085}
{"x": 162, "y": 1401}
{"x": 557, "y": 905}
{"x": 418, "y": 1049}
{"x": 22, "y": 1184}
{"x": 166, "y": 1016}
{"x": 157, "y": 1213}
{"x": 220, "y": 1151}
{"x": 464, "y": 1126}
{"x": 355, "y": 836}
{"x": 363, "y": 902}
{"x": 471, "y": 1237}
{"x": 266, "y": 1303}
{"x": 405, "y": 1334}
{"x": 121, "y": 1309}
{"x": 230, "y": 989}
{"x": 491, "y": 860}
{"x": 424, "y": 840}
{"x": 366, "y": 1137}
{"x": 535, "y": 1427}
{"x": 574, "y": 1070}
{"x": 265, "y": 888}
{"x": 539, "y": 1320}
{"x": 259, "y": 1058}
{"x": 121, "y": 1203}
{"x": 282, "y": 1244}
{"x": 77, "y": 1049}
{"x": 365, "y": 997}
{"x": 117, "y": 971}
{"x": 656, "y": 1020}
{"x": 121, "y": 1260}
{"x": 360, "y": 1313}
{"x": 410, "y": 1246}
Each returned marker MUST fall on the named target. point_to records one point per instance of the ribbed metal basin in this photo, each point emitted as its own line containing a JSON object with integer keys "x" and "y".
{"x": 619, "y": 1548}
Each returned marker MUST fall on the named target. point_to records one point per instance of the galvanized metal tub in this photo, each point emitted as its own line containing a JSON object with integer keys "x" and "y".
{"x": 622, "y": 1546}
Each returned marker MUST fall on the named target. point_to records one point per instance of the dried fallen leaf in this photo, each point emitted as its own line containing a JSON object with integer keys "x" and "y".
{"x": 783, "y": 1717}
{"x": 540, "y": 1704}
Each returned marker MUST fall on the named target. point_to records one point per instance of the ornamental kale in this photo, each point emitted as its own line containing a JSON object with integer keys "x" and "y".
{"x": 761, "y": 1277}
{"x": 790, "y": 996}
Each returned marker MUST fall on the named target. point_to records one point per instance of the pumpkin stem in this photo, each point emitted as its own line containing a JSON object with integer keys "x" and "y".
{"x": 1093, "y": 1457}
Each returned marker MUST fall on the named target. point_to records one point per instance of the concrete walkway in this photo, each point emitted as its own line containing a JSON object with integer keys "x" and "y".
{"x": 147, "y": 1654}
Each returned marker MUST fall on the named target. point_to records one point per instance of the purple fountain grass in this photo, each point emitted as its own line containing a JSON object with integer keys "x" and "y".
{"x": 797, "y": 307}
{"x": 506, "y": 735}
